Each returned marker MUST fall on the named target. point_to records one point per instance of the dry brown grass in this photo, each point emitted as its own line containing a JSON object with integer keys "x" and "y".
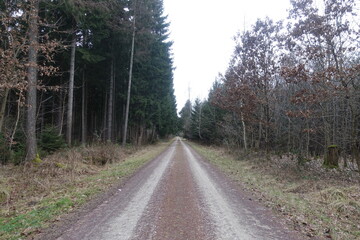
{"x": 321, "y": 203}
{"x": 34, "y": 180}
{"x": 34, "y": 195}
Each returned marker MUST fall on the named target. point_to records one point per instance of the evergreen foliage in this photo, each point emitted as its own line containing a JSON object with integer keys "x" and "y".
{"x": 103, "y": 39}
{"x": 5, "y": 153}
{"x": 50, "y": 140}
{"x": 185, "y": 119}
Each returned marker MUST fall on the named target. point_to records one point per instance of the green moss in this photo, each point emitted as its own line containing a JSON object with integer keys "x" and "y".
{"x": 4, "y": 195}
{"x": 60, "y": 165}
{"x": 37, "y": 160}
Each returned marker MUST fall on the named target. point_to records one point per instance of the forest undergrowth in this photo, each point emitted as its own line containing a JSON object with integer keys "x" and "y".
{"x": 319, "y": 202}
{"x": 36, "y": 195}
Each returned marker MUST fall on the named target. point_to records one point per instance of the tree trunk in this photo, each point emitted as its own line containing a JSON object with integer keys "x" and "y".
{"x": 71, "y": 93}
{"x": 41, "y": 112}
{"x": 200, "y": 121}
{"x": 356, "y": 155}
{"x": 260, "y": 132}
{"x": 83, "y": 111}
{"x": 16, "y": 121}
{"x": 289, "y": 136}
{"x": 244, "y": 133}
{"x": 327, "y": 130}
{"x": 141, "y": 134}
{"x": 53, "y": 107}
{"x": 267, "y": 117}
{"x": 3, "y": 108}
{"x": 354, "y": 141}
{"x": 104, "y": 122}
{"x": 110, "y": 103}
{"x": 115, "y": 123}
{"x": 307, "y": 147}
{"x": 61, "y": 112}
{"x": 32, "y": 82}
{"x": 129, "y": 84}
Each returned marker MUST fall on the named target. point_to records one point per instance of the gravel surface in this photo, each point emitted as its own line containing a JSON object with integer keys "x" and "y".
{"x": 178, "y": 195}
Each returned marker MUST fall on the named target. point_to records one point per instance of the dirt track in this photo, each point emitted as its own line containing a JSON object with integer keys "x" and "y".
{"x": 178, "y": 195}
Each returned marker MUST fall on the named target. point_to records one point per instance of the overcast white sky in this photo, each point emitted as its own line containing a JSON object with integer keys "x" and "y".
{"x": 203, "y": 31}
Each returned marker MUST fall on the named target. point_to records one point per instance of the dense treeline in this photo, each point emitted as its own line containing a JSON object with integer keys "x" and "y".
{"x": 64, "y": 72}
{"x": 291, "y": 86}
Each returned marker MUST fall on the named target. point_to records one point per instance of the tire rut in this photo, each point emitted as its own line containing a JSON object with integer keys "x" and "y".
{"x": 179, "y": 196}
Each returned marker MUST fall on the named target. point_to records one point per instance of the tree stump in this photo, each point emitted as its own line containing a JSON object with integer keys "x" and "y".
{"x": 332, "y": 157}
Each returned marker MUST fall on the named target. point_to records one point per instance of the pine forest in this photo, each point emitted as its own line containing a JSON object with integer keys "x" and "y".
{"x": 68, "y": 68}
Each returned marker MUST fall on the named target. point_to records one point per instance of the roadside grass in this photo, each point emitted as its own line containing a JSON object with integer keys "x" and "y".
{"x": 324, "y": 204}
{"x": 35, "y": 195}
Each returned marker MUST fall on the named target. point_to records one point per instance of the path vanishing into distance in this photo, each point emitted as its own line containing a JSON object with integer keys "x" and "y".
{"x": 178, "y": 195}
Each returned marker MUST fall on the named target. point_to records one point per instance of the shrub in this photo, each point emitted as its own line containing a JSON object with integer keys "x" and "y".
{"x": 5, "y": 154}
{"x": 16, "y": 152}
{"x": 18, "y": 148}
{"x": 50, "y": 141}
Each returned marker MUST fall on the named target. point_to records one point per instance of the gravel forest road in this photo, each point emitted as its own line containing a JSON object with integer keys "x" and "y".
{"x": 178, "y": 195}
